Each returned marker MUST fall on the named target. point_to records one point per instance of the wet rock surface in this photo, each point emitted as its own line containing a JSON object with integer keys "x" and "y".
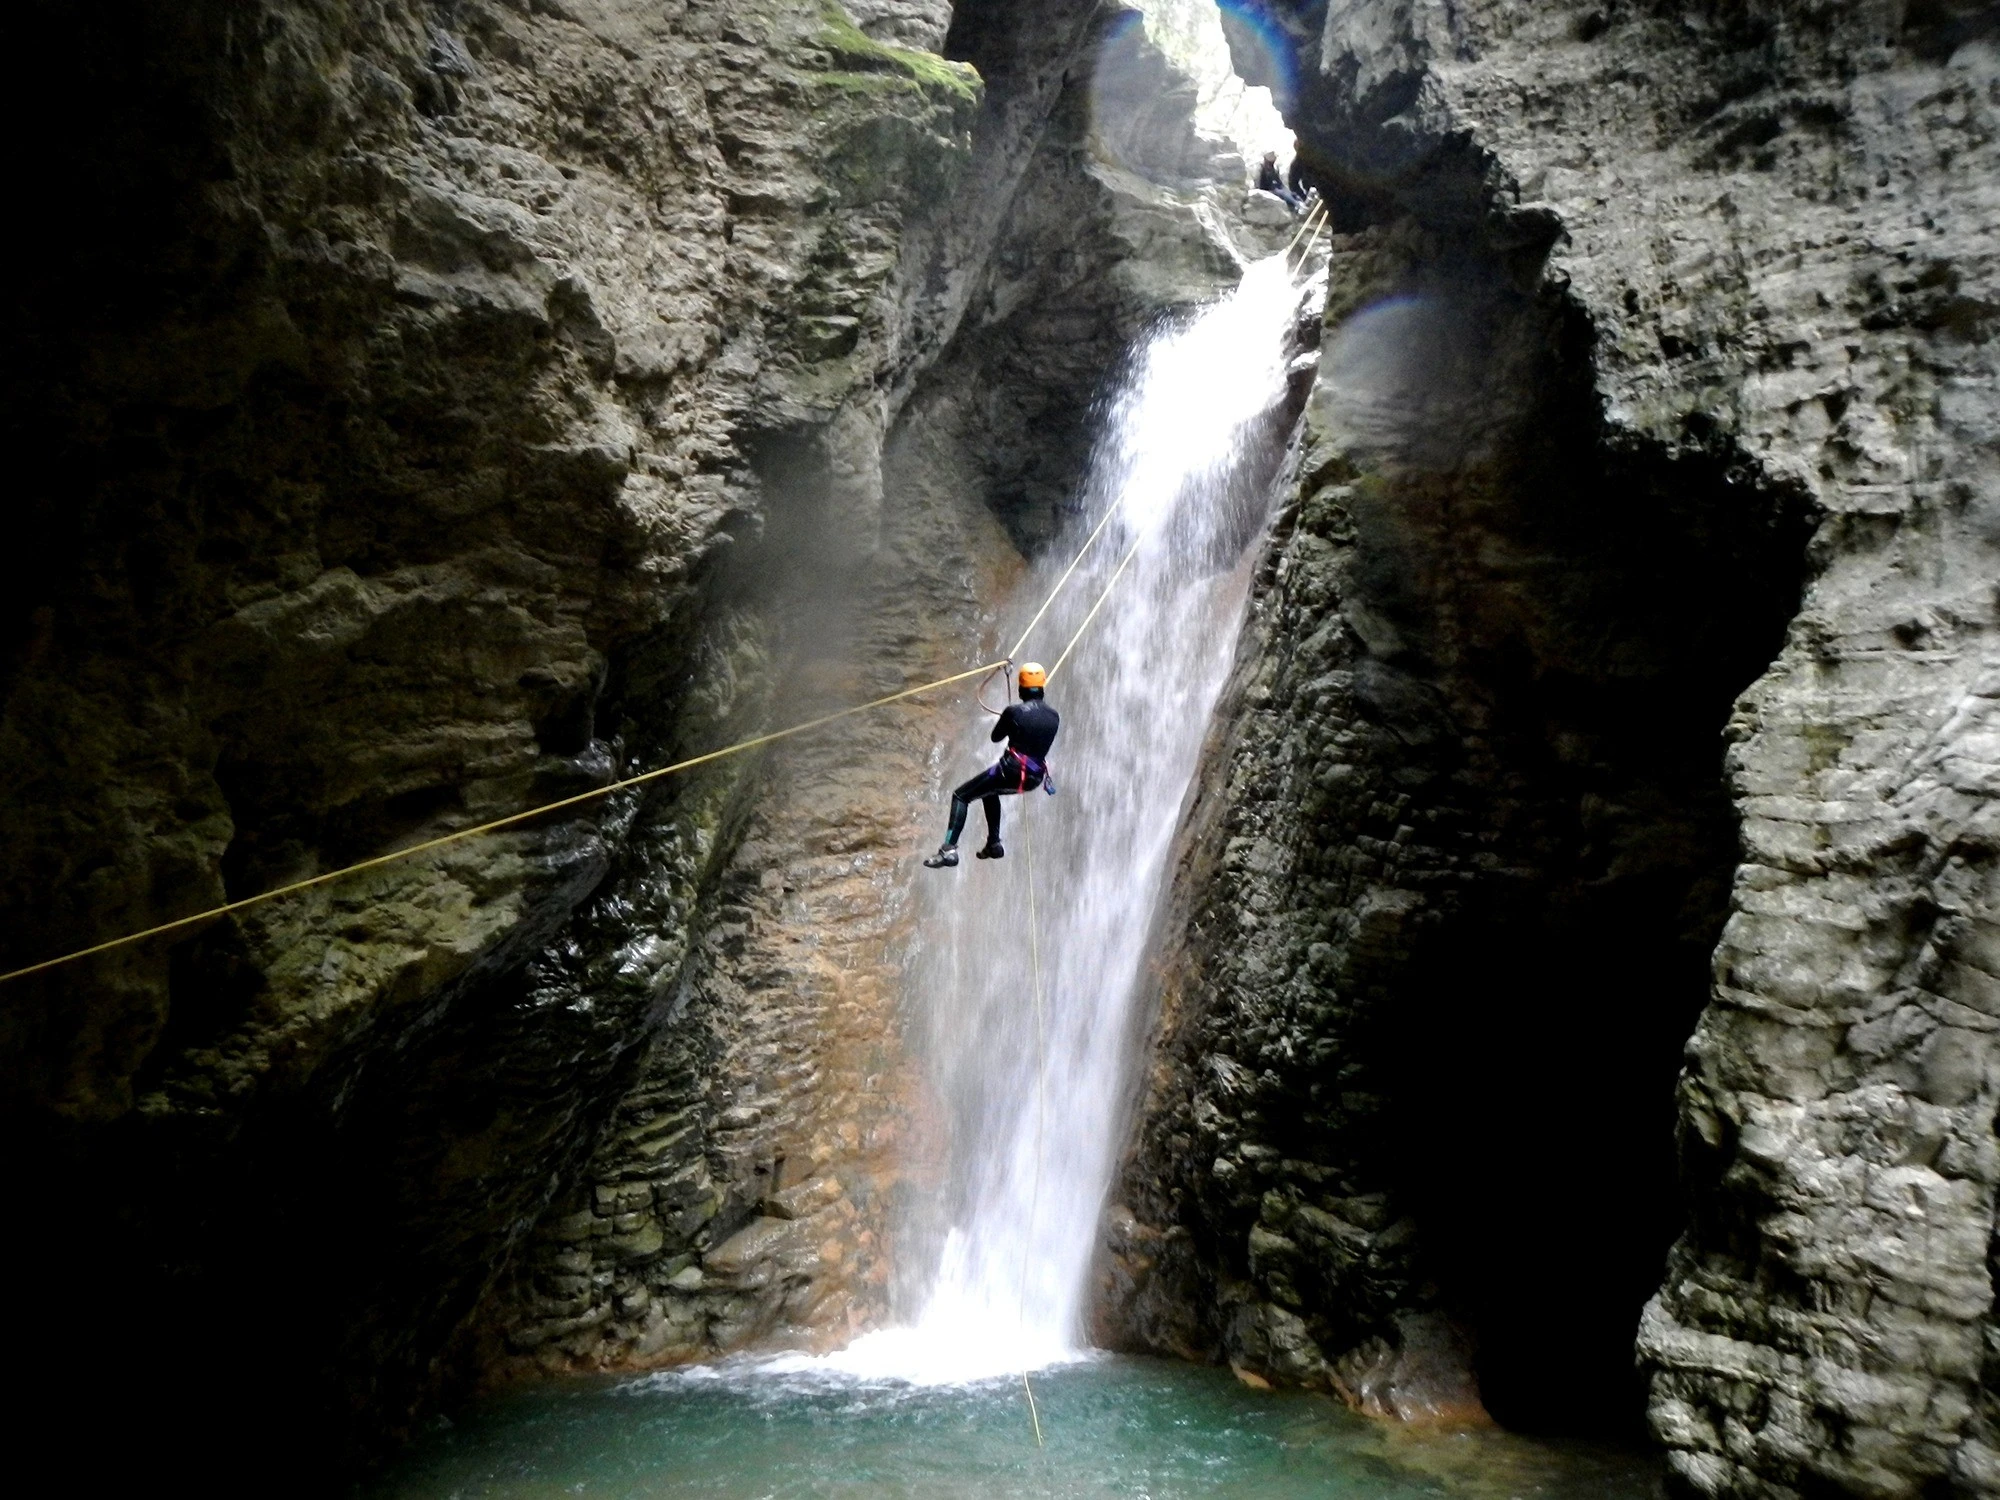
{"x": 414, "y": 413}
{"x": 745, "y": 1193}
{"x": 1451, "y": 805}
{"x": 1467, "y": 872}
{"x": 430, "y": 410}
{"x": 450, "y": 408}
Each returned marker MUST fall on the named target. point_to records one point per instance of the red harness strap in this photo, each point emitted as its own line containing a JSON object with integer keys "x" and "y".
{"x": 1026, "y": 765}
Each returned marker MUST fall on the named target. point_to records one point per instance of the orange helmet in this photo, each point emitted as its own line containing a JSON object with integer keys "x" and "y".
{"x": 1031, "y": 675}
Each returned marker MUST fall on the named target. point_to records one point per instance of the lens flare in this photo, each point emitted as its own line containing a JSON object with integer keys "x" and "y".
{"x": 1262, "y": 53}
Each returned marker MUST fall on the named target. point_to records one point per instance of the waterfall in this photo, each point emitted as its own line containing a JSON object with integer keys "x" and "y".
{"x": 1031, "y": 1112}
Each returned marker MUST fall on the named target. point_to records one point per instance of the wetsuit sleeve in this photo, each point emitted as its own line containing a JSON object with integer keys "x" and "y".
{"x": 1004, "y": 726}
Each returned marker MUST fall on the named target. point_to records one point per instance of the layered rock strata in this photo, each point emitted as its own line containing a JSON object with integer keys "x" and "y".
{"x": 448, "y": 408}
{"x": 423, "y": 377}
{"x": 1636, "y": 293}
{"x": 747, "y": 1190}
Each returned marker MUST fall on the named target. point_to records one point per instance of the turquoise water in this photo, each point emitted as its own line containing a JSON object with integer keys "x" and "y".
{"x": 1116, "y": 1429}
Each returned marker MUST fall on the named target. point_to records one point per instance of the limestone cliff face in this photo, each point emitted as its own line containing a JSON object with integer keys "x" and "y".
{"x": 422, "y": 375}
{"x": 556, "y": 276}
{"x": 443, "y": 408}
{"x": 745, "y": 1191}
{"x": 1557, "y": 746}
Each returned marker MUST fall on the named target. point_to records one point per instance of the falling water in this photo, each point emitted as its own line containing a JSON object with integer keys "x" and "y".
{"x": 1031, "y": 1104}
{"x": 1009, "y": 1241}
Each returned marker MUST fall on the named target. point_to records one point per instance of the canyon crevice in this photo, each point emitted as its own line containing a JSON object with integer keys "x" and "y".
{"x": 1577, "y": 997}
{"x": 1658, "y": 417}
{"x": 452, "y": 407}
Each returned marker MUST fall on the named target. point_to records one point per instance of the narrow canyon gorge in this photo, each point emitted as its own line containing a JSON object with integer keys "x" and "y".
{"x": 1537, "y": 975}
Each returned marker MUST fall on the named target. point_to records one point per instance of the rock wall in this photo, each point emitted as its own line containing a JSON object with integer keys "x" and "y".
{"x": 746, "y": 1191}
{"x": 1635, "y": 298}
{"x": 422, "y": 377}
{"x": 446, "y": 407}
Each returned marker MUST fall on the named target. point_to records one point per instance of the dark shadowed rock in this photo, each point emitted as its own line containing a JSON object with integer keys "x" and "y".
{"x": 443, "y": 409}
{"x": 1634, "y": 297}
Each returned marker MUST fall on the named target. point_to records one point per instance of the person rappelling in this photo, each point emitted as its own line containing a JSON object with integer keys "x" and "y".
{"x": 1029, "y": 728}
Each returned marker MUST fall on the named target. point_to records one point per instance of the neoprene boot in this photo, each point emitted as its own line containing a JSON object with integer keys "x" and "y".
{"x": 991, "y": 851}
{"x": 945, "y": 859}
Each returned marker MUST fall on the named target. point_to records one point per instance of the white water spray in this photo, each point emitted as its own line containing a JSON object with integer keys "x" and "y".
{"x": 1032, "y": 1113}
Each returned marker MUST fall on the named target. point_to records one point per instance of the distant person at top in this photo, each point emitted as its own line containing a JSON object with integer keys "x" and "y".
{"x": 1029, "y": 728}
{"x": 1271, "y": 180}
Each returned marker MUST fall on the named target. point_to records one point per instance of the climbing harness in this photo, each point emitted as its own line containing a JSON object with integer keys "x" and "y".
{"x": 1024, "y": 767}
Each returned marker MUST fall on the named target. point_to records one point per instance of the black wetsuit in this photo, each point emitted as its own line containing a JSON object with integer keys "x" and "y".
{"x": 1029, "y": 728}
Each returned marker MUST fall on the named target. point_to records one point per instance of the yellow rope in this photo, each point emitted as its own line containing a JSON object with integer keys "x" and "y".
{"x": 230, "y": 907}
{"x": 1298, "y": 234}
{"x": 1089, "y": 542}
{"x": 1305, "y": 250}
{"x": 1027, "y": 842}
{"x": 1034, "y": 920}
{"x": 494, "y": 826}
{"x": 1035, "y": 941}
{"x": 1033, "y": 1415}
{"x": 1315, "y": 212}
{"x": 1124, "y": 563}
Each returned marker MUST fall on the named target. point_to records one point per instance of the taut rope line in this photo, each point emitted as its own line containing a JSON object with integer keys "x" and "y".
{"x": 1034, "y": 927}
{"x": 1316, "y": 212}
{"x": 496, "y": 824}
{"x": 1089, "y": 542}
{"x": 1124, "y": 562}
{"x": 229, "y": 908}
